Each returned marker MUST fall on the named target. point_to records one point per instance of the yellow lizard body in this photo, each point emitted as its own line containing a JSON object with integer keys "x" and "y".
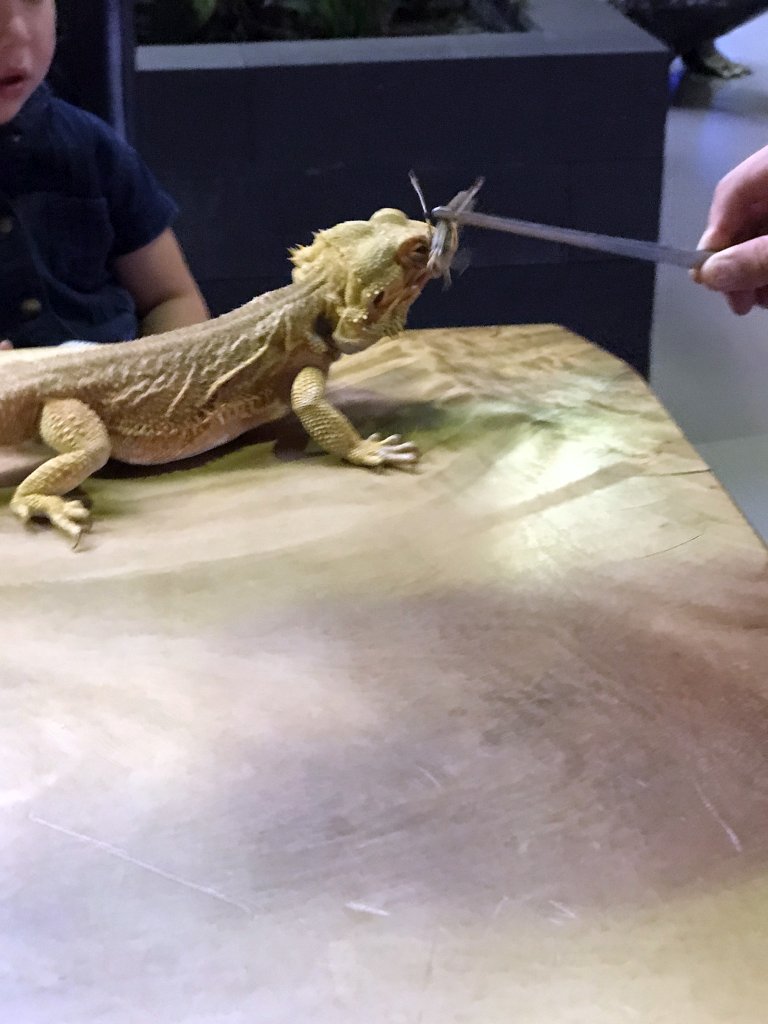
{"x": 177, "y": 394}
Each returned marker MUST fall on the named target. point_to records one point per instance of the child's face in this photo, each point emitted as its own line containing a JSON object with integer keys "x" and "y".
{"x": 27, "y": 42}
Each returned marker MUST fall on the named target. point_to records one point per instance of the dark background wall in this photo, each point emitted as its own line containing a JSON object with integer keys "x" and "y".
{"x": 94, "y": 62}
{"x": 263, "y": 143}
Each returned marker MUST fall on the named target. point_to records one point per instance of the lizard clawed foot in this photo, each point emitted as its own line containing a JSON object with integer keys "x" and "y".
{"x": 69, "y": 516}
{"x": 389, "y": 451}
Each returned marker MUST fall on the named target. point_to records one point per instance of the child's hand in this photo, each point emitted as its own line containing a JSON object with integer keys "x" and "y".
{"x": 5, "y": 344}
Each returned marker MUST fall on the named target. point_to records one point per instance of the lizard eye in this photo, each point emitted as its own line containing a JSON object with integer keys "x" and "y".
{"x": 413, "y": 253}
{"x": 378, "y": 298}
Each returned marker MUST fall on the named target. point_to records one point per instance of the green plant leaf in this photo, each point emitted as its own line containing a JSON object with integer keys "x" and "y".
{"x": 170, "y": 21}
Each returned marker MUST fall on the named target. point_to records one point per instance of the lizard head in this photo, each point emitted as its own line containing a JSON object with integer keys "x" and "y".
{"x": 374, "y": 269}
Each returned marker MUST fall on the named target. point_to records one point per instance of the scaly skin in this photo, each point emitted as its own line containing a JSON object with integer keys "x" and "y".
{"x": 177, "y": 394}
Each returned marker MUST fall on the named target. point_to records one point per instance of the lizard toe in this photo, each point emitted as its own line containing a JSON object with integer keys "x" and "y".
{"x": 71, "y": 517}
{"x": 22, "y": 511}
{"x": 392, "y": 451}
{"x": 77, "y": 511}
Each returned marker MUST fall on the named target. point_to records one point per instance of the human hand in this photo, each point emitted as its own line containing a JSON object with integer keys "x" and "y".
{"x": 5, "y": 344}
{"x": 737, "y": 229}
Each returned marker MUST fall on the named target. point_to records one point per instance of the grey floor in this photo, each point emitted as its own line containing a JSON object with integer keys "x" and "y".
{"x": 710, "y": 368}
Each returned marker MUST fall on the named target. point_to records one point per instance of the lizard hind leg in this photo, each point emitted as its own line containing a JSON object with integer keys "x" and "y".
{"x": 80, "y": 438}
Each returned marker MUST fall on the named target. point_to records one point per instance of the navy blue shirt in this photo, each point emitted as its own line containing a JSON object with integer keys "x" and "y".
{"x": 73, "y": 196}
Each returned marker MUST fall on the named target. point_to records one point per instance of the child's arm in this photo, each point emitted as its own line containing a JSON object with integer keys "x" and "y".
{"x": 158, "y": 278}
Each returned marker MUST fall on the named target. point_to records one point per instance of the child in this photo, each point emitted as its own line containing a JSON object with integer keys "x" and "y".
{"x": 86, "y": 250}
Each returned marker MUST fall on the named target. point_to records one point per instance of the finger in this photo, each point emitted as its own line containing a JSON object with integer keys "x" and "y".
{"x": 741, "y": 302}
{"x": 715, "y": 238}
{"x": 733, "y": 198}
{"x": 752, "y": 221}
{"x": 739, "y": 268}
{"x": 5, "y": 344}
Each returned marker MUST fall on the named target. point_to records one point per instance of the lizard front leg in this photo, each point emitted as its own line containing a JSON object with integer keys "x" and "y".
{"x": 73, "y": 430}
{"x": 335, "y": 434}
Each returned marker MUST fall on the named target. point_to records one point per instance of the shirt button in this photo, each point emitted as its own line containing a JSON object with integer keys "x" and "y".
{"x": 31, "y": 307}
{"x": 6, "y": 225}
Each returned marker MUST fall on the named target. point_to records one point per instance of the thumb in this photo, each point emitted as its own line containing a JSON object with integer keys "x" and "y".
{"x": 740, "y": 268}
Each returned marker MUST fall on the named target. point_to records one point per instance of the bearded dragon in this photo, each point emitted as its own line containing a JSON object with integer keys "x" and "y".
{"x": 174, "y": 395}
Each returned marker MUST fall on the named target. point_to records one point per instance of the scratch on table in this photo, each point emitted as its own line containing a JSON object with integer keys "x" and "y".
{"x": 427, "y": 774}
{"x": 499, "y": 907}
{"x": 566, "y": 911}
{"x": 663, "y": 551}
{"x": 733, "y": 838}
{"x": 428, "y": 976}
{"x": 115, "y": 851}
{"x": 366, "y": 908}
{"x": 681, "y": 472}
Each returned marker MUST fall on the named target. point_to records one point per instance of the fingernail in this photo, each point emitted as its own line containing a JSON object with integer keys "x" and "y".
{"x": 704, "y": 241}
{"x": 719, "y": 272}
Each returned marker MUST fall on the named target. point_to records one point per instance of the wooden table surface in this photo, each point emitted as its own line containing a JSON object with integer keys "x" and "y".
{"x": 288, "y": 741}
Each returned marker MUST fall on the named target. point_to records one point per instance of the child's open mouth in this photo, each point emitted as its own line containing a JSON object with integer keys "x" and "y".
{"x": 12, "y": 83}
